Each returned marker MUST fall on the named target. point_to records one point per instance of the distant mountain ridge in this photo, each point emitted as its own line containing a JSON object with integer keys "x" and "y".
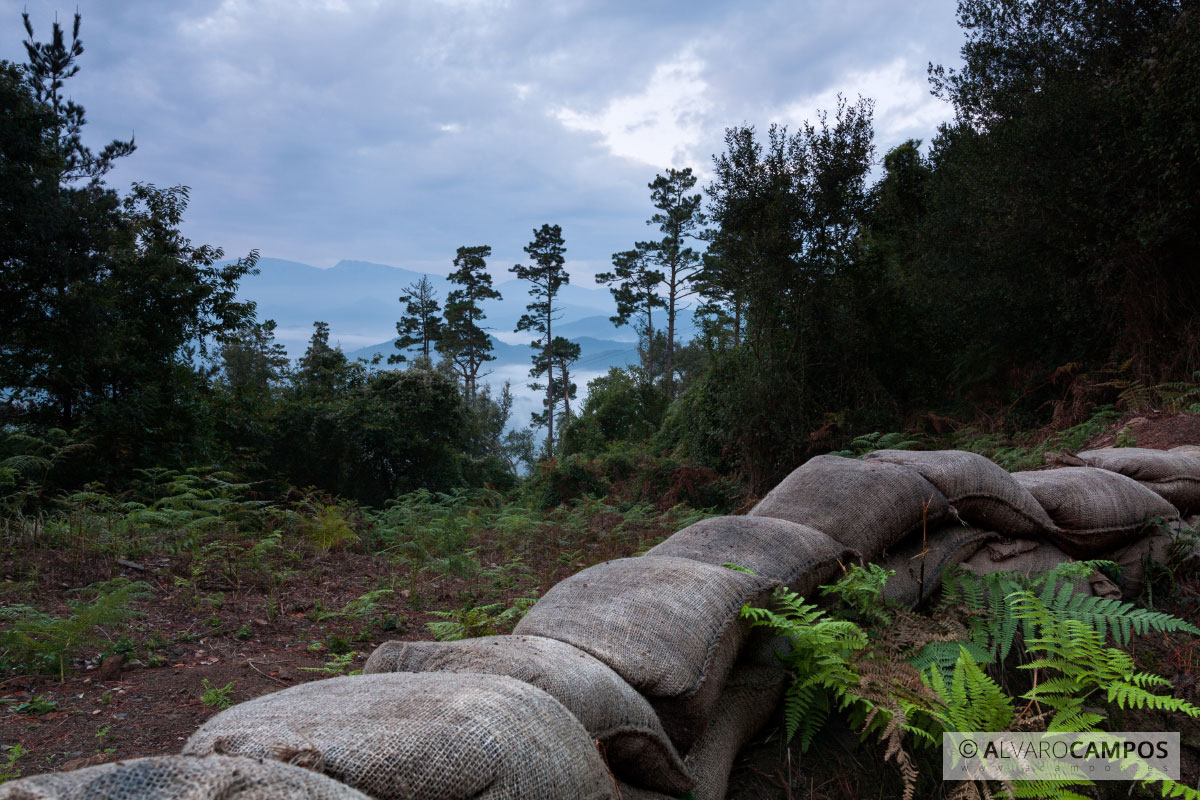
{"x": 360, "y": 301}
{"x": 596, "y": 355}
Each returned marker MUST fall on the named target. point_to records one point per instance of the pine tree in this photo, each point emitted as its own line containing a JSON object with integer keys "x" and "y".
{"x": 324, "y": 369}
{"x": 463, "y": 341}
{"x": 679, "y": 219}
{"x": 103, "y": 302}
{"x": 50, "y": 65}
{"x": 561, "y": 355}
{"x": 251, "y": 360}
{"x": 636, "y": 293}
{"x": 547, "y": 274}
{"x": 565, "y": 353}
{"x": 421, "y": 323}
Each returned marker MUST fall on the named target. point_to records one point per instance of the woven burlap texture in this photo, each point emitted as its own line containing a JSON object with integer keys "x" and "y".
{"x": 748, "y": 702}
{"x": 1176, "y": 547}
{"x": 182, "y": 778}
{"x": 866, "y": 505}
{"x": 1174, "y": 475}
{"x": 431, "y": 736}
{"x": 1028, "y": 557}
{"x": 1094, "y": 510}
{"x": 634, "y": 741}
{"x": 920, "y": 561}
{"x": 981, "y": 492}
{"x": 799, "y": 557}
{"x": 670, "y": 627}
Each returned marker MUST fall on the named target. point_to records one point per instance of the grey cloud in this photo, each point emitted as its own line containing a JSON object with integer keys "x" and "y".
{"x": 317, "y": 134}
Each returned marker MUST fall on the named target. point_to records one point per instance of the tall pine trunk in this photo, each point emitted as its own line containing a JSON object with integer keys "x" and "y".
{"x": 549, "y": 376}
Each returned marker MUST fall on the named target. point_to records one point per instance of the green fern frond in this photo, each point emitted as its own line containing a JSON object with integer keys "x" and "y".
{"x": 973, "y": 701}
{"x": 944, "y": 655}
{"x": 995, "y": 626}
{"x": 1048, "y": 790}
{"x": 819, "y": 658}
{"x": 1127, "y": 694}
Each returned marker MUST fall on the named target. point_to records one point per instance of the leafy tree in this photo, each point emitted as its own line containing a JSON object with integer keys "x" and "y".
{"x": 546, "y": 275}
{"x": 374, "y": 436}
{"x": 1063, "y": 195}
{"x": 488, "y": 457}
{"x": 678, "y": 219}
{"x": 621, "y": 406}
{"x": 463, "y": 342}
{"x": 102, "y": 301}
{"x": 722, "y": 308}
{"x": 908, "y": 347}
{"x": 413, "y": 430}
{"x": 519, "y": 449}
{"x": 421, "y": 324}
{"x": 788, "y": 216}
{"x": 241, "y": 406}
{"x": 636, "y": 293}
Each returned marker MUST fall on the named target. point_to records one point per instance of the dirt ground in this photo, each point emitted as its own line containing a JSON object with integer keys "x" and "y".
{"x": 1156, "y": 430}
{"x": 258, "y": 641}
{"x": 149, "y": 700}
{"x": 149, "y": 710}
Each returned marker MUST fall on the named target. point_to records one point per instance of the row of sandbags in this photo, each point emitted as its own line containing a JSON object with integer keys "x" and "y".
{"x": 1096, "y": 505}
{"x": 632, "y": 678}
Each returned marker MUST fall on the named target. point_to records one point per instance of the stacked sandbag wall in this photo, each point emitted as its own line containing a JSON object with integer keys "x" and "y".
{"x": 634, "y": 678}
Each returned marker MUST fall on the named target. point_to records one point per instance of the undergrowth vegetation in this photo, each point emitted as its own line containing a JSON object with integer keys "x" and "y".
{"x": 470, "y": 561}
{"x": 1001, "y": 652}
{"x": 1089, "y": 406}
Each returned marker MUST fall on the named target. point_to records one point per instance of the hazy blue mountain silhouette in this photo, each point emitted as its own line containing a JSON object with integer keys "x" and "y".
{"x": 596, "y": 355}
{"x": 360, "y": 301}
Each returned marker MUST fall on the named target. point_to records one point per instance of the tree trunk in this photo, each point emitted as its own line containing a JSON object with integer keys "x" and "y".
{"x": 566, "y": 381}
{"x": 549, "y": 375}
{"x": 472, "y": 364}
{"x": 649, "y": 339}
{"x": 669, "y": 378}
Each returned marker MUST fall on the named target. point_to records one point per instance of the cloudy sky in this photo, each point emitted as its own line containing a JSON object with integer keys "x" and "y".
{"x": 321, "y": 130}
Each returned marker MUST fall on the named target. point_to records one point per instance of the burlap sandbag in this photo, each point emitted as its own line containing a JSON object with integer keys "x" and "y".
{"x": 1136, "y": 560}
{"x": 981, "y": 492}
{"x": 797, "y": 556}
{"x": 670, "y": 627}
{"x": 1172, "y": 474}
{"x": 920, "y": 562}
{"x": 747, "y": 704}
{"x": 182, "y": 778}
{"x": 1176, "y": 548}
{"x": 637, "y": 793}
{"x": 406, "y": 736}
{"x": 1027, "y": 557}
{"x": 1094, "y": 511}
{"x": 627, "y": 728}
{"x": 866, "y": 505}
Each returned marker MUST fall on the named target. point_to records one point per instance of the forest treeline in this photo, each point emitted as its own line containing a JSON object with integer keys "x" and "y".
{"x": 1049, "y": 228}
